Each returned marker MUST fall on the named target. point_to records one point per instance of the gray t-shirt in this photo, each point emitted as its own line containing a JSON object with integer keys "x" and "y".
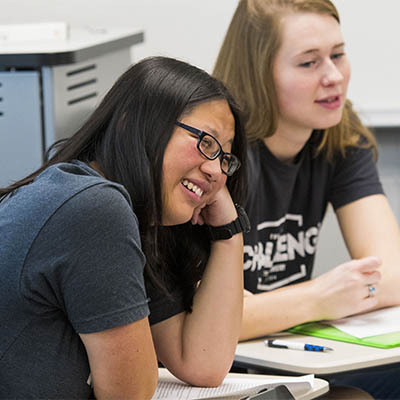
{"x": 70, "y": 262}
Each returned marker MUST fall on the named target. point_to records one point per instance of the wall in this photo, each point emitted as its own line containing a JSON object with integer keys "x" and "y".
{"x": 193, "y": 30}
{"x": 372, "y": 31}
{"x": 188, "y": 29}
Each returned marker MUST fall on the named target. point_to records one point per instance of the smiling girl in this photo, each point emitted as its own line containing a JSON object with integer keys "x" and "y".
{"x": 285, "y": 62}
{"x": 125, "y": 219}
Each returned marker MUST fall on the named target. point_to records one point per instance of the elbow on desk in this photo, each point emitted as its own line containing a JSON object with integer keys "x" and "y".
{"x": 205, "y": 381}
{"x": 204, "y": 376}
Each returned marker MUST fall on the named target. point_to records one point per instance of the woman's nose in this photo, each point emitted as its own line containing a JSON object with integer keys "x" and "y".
{"x": 212, "y": 168}
{"x": 332, "y": 74}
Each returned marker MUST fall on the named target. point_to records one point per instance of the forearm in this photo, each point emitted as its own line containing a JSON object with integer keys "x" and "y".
{"x": 389, "y": 294}
{"x": 370, "y": 228}
{"x": 274, "y": 311}
{"x": 338, "y": 293}
{"x": 211, "y": 332}
{"x": 389, "y": 252}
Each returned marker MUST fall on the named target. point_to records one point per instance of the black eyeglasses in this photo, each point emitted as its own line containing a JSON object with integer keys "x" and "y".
{"x": 210, "y": 148}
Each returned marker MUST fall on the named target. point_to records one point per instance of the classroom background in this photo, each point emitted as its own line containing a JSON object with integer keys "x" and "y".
{"x": 193, "y": 31}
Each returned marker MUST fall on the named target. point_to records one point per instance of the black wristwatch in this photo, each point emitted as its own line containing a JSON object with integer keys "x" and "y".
{"x": 240, "y": 224}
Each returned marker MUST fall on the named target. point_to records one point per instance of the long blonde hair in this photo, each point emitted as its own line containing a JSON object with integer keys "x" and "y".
{"x": 245, "y": 64}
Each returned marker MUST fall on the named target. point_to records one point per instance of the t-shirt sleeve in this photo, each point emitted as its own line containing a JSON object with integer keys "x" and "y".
{"x": 87, "y": 262}
{"x": 355, "y": 176}
{"x": 164, "y": 305}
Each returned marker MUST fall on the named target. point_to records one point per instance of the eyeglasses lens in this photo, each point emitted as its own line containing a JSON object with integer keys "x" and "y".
{"x": 209, "y": 146}
{"x": 211, "y": 149}
{"x": 229, "y": 164}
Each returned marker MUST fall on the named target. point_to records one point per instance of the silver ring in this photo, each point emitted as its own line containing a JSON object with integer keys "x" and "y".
{"x": 371, "y": 290}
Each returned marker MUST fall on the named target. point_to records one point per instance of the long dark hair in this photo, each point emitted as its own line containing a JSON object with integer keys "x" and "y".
{"x": 126, "y": 136}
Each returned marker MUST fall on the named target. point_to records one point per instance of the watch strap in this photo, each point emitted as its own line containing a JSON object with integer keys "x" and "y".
{"x": 240, "y": 224}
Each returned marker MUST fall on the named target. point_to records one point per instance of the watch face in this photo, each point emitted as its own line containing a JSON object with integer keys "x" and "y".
{"x": 243, "y": 218}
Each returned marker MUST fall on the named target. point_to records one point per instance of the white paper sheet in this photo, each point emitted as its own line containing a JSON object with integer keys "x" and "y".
{"x": 170, "y": 389}
{"x": 374, "y": 323}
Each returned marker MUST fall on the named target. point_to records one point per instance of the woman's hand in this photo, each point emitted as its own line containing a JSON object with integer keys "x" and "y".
{"x": 344, "y": 290}
{"x": 218, "y": 210}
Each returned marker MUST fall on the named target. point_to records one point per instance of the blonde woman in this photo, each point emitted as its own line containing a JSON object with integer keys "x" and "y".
{"x": 286, "y": 64}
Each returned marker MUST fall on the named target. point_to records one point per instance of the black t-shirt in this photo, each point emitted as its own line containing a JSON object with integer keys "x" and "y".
{"x": 286, "y": 206}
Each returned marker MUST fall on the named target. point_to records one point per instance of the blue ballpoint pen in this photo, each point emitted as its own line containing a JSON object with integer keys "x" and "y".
{"x": 285, "y": 344}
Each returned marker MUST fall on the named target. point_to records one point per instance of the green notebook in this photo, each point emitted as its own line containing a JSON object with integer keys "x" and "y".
{"x": 385, "y": 341}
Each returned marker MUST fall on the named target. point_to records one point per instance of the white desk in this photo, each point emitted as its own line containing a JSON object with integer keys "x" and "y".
{"x": 346, "y": 357}
{"x": 320, "y": 386}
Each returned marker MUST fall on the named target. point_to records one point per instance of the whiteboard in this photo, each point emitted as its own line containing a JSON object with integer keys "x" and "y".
{"x": 193, "y": 30}
{"x": 371, "y": 30}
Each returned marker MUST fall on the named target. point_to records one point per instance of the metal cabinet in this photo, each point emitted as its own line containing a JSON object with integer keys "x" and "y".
{"x": 48, "y": 89}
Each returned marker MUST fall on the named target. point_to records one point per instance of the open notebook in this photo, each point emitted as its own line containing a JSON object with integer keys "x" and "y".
{"x": 169, "y": 388}
{"x": 380, "y": 328}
